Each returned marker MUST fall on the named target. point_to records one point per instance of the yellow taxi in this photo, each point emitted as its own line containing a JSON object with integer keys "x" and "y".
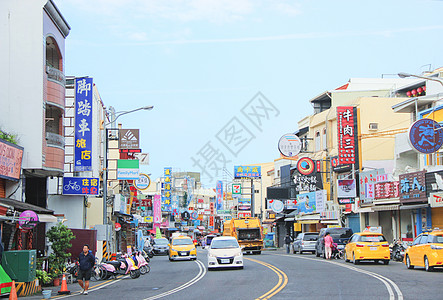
{"x": 182, "y": 247}
{"x": 367, "y": 246}
{"x": 426, "y": 251}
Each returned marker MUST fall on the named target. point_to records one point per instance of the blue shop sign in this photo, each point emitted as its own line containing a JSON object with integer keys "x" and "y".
{"x": 426, "y": 136}
{"x": 80, "y": 186}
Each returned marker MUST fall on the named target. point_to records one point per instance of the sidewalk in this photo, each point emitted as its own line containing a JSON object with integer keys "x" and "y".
{"x": 73, "y": 287}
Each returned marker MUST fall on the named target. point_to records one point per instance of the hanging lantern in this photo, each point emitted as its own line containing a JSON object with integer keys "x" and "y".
{"x": 414, "y": 92}
{"x": 408, "y": 93}
{"x": 424, "y": 88}
{"x": 419, "y": 90}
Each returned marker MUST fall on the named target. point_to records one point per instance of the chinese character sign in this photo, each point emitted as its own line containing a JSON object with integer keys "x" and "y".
{"x": 384, "y": 190}
{"x": 247, "y": 171}
{"x": 347, "y": 135}
{"x": 83, "y": 125}
{"x": 167, "y": 190}
{"x": 80, "y": 186}
{"x": 413, "y": 187}
{"x": 157, "y": 211}
{"x": 367, "y": 179}
{"x": 219, "y": 195}
{"x": 10, "y": 160}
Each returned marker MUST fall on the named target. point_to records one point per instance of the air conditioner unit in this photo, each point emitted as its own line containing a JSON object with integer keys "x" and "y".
{"x": 373, "y": 126}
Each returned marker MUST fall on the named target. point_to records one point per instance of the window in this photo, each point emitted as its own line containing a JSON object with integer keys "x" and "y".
{"x": 317, "y": 141}
{"x": 310, "y": 237}
{"x": 325, "y": 146}
{"x": 53, "y": 56}
{"x": 181, "y": 242}
{"x": 373, "y": 238}
{"x": 224, "y": 244}
{"x": 424, "y": 239}
{"x": 416, "y": 241}
{"x": 54, "y": 119}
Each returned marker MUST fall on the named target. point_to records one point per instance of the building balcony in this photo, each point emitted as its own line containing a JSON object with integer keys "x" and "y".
{"x": 55, "y": 140}
{"x": 56, "y": 75}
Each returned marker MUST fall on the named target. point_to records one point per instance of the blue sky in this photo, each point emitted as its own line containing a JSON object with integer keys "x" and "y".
{"x": 199, "y": 62}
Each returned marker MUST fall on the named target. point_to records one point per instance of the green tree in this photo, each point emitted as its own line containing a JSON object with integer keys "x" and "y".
{"x": 60, "y": 236}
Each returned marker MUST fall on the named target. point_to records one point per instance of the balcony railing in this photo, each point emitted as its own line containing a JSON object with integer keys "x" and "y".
{"x": 56, "y": 75}
{"x": 54, "y": 139}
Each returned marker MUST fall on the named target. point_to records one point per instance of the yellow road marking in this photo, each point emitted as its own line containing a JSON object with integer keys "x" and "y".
{"x": 282, "y": 280}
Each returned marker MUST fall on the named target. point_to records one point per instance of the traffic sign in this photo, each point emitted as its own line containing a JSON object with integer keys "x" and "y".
{"x": 236, "y": 189}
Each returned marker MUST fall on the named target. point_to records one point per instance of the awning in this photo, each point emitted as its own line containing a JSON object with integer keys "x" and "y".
{"x": 47, "y": 218}
{"x": 385, "y": 207}
{"x": 289, "y": 219}
{"x": 329, "y": 222}
{"x": 308, "y": 221}
{"x": 414, "y": 206}
{"x": 22, "y": 206}
{"x": 367, "y": 209}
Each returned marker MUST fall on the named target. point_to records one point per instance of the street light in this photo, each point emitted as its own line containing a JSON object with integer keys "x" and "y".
{"x": 105, "y": 161}
{"x": 405, "y": 75}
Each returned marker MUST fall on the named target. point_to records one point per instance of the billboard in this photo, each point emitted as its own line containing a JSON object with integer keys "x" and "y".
{"x": 346, "y": 188}
{"x": 247, "y": 171}
{"x": 129, "y": 139}
{"x": 10, "y": 160}
{"x": 83, "y": 125}
{"x": 306, "y": 203}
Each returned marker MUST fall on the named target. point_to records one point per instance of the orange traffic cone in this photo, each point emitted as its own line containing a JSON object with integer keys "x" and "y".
{"x": 13, "y": 293}
{"x": 64, "y": 289}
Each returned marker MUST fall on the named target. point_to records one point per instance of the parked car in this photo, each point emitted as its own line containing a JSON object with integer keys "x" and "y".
{"x": 367, "y": 246}
{"x": 305, "y": 241}
{"x": 340, "y": 235}
{"x": 426, "y": 251}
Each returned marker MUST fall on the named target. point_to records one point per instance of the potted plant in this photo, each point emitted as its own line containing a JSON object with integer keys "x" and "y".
{"x": 42, "y": 277}
{"x": 60, "y": 236}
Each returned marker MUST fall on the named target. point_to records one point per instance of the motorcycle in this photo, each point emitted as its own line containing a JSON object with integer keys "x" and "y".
{"x": 122, "y": 266}
{"x": 397, "y": 250}
{"x": 149, "y": 251}
{"x": 142, "y": 264}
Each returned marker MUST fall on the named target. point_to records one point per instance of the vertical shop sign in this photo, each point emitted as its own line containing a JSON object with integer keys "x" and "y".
{"x": 347, "y": 129}
{"x": 83, "y": 125}
{"x": 219, "y": 194}
{"x": 167, "y": 190}
{"x": 157, "y": 209}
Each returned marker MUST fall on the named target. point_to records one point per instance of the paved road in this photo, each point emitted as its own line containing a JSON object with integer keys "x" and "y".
{"x": 272, "y": 275}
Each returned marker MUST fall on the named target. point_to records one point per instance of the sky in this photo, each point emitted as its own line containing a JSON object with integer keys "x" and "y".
{"x": 228, "y": 78}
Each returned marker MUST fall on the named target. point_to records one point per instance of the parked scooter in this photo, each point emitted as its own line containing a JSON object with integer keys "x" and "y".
{"x": 397, "y": 250}
{"x": 122, "y": 266}
{"x": 142, "y": 264}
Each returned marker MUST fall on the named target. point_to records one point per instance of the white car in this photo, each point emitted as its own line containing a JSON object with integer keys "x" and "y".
{"x": 225, "y": 252}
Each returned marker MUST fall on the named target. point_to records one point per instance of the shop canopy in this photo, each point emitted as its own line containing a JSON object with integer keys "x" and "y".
{"x": 22, "y": 206}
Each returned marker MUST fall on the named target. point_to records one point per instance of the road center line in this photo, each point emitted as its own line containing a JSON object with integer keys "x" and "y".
{"x": 200, "y": 275}
{"x": 282, "y": 279}
{"x": 386, "y": 281}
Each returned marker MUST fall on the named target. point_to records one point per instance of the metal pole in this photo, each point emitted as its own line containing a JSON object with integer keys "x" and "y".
{"x": 252, "y": 198}
{"x": 105, "y": 184}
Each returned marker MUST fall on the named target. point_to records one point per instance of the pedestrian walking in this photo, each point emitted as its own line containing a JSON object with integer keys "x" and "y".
{"x": 288, "y": 241}
{"x": 328, "y": 245}
{"x": 86, "y": 261}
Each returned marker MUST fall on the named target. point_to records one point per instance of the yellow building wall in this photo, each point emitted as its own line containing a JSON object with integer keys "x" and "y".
{"x": 379, "y": 110}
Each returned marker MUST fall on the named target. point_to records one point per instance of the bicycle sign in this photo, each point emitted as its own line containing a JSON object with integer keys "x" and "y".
{"x": 80, "y": 186}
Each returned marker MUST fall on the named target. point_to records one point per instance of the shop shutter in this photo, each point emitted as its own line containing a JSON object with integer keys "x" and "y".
{"x": 2, "y": 188}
